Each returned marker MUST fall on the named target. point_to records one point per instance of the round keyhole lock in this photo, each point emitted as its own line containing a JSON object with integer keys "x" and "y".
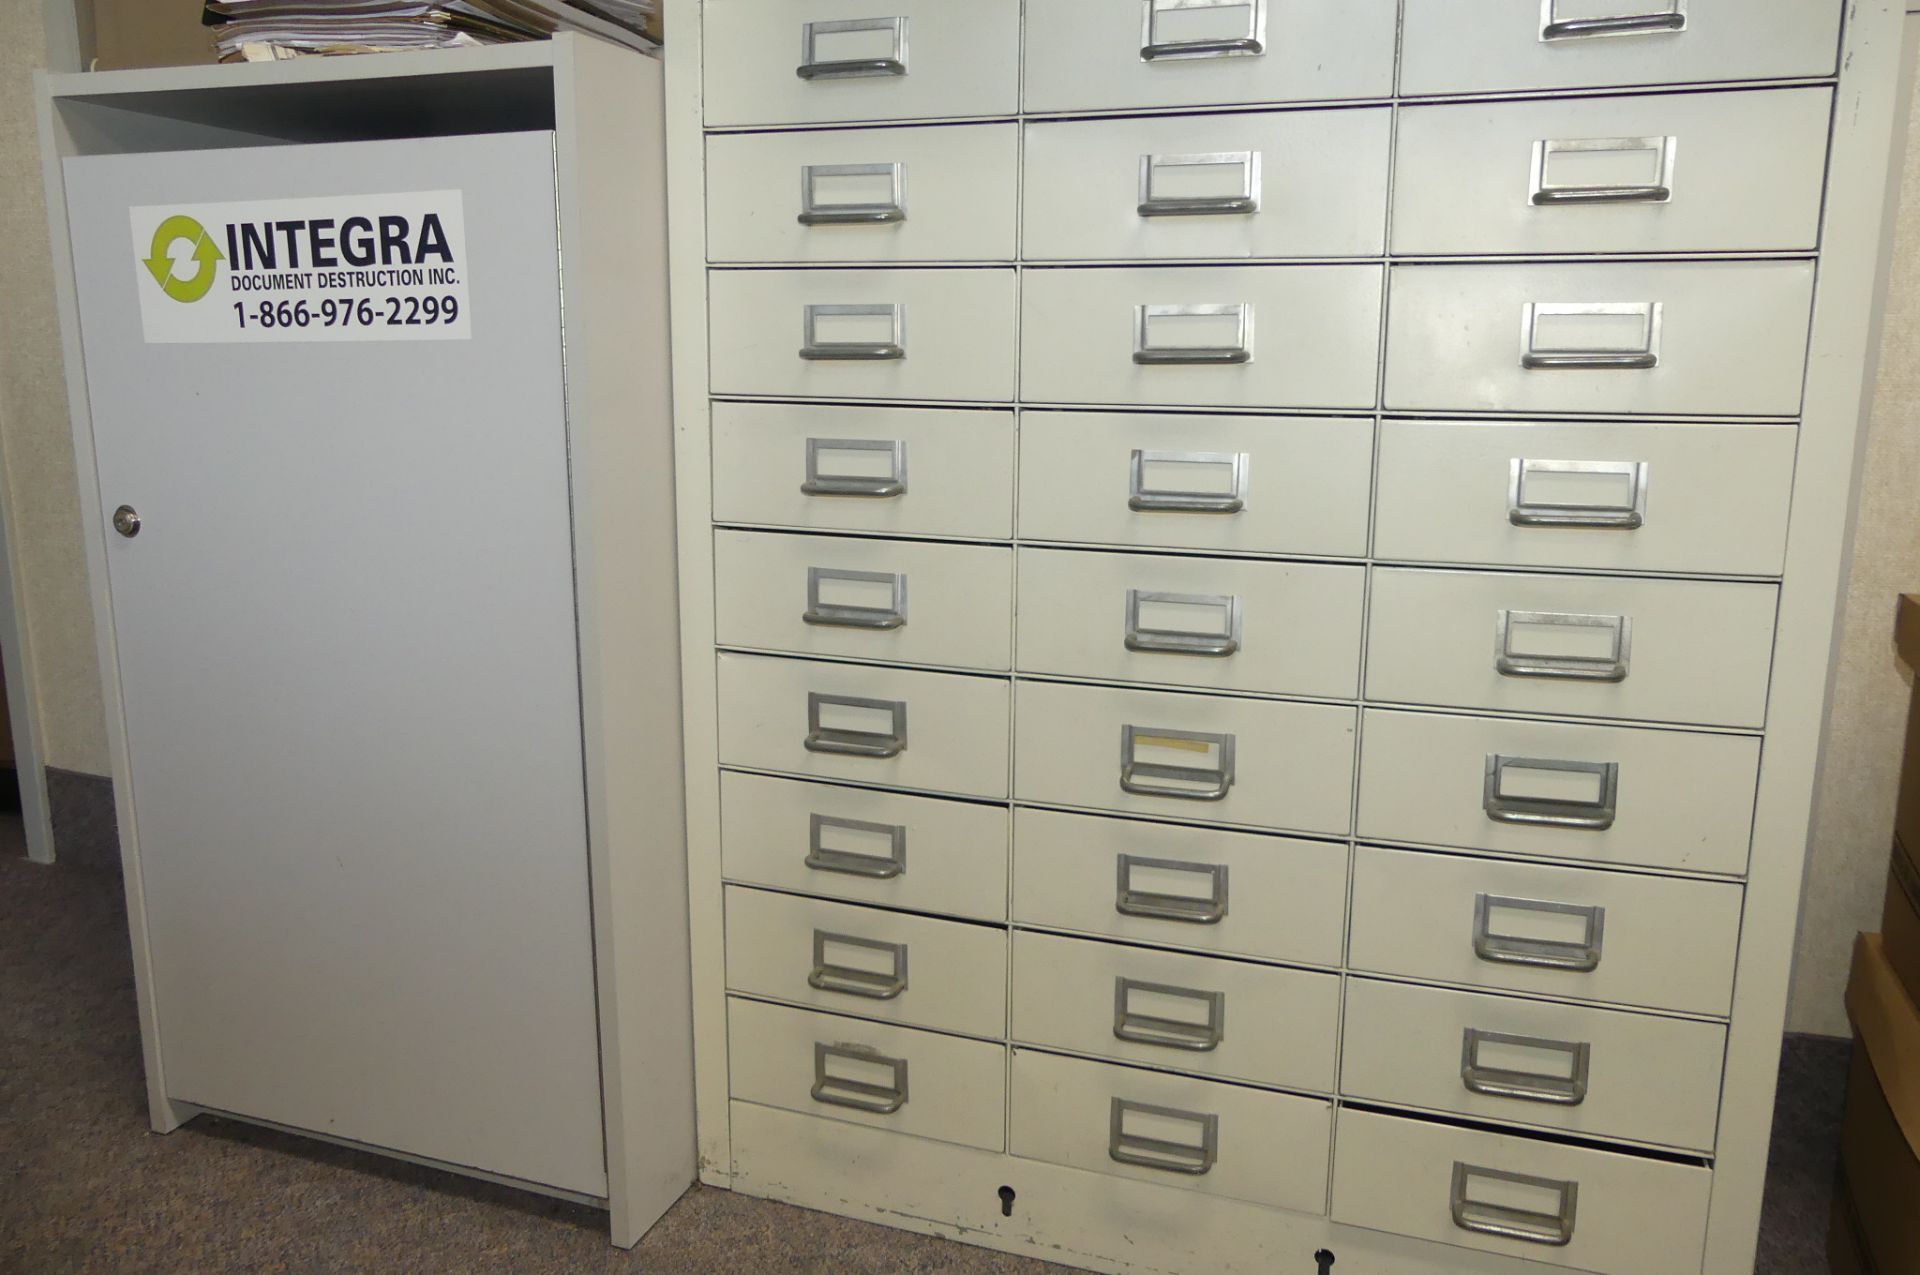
{"x": 126, "y": 521}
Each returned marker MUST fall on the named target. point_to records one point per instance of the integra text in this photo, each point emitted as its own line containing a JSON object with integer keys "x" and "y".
{"x": 380, "y": 252}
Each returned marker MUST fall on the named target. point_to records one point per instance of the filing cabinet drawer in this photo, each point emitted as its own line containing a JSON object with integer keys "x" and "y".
{"x": 1571, "y": 1206}
{"x": 1204, "y": 622}
{"x": 1481, "y": 46}
{"x": 941, "y": 732}
{"x": 1656, "y": 650}
{"x": 1229, "y": 1019}
{"x": 1588, "y": 1071}
{"x": 900, "y": 600}
{"x": 1609, "y": 795}
{"x": 1230, "y": 483}
{"x": 905, "y": 471}
{"x": 867, "y": 962}
{"x": 1669, "y": 338}
{"x": 1224, "y": 336}
{"x": 1257, "y": 763}
{"x": 1235, "y": 893}
{"x": 1651, "y": 942}
{"x": 1109, "y": 54}
{"x": 876, "y": 334}
{"x": 1706, "y": 172}
{"x": 902, "y": 59}
{"x": 1197, "y": 1135}
{"x": 1695, "y": 497}
{"x": 1277, "y": 184}
{"x": 917, "y": 853}
{"x": 894, "y": 194}
{"x": 894, "y": 1078}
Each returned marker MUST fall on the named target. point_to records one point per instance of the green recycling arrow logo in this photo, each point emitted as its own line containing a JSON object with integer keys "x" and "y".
{"x": 161, "y": 263}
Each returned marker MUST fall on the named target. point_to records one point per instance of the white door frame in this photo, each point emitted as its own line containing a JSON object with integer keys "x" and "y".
{"x": 23, "y": 708}
{"x": 16, "y": 648}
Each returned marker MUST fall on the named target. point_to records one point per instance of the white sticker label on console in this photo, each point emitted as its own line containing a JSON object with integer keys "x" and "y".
{"x": 350, "y": 268}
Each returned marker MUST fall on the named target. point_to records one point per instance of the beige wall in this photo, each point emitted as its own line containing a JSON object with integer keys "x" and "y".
{"x": 34, "y": 442}
{"x": 1853, "y": 812}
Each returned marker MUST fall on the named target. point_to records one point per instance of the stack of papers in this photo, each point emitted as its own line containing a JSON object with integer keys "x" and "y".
{"x": 267, "y": 30}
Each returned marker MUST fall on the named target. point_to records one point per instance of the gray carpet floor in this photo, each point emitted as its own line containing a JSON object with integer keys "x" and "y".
{"x": 86, "y": 1190}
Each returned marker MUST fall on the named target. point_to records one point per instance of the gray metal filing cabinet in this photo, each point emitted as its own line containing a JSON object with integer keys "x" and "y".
{"x": 379, "y": 511}
{"x": 1259, "y": 577}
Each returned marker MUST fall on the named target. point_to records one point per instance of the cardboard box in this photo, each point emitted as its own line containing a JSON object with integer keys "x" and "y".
{"x": 1846, "y": 1251}
{"x": 1906, "y": 639}
{"x": 1880, "y": 1134}
{"x": 1900, "y": 919}
{"x": 132, "y": 33}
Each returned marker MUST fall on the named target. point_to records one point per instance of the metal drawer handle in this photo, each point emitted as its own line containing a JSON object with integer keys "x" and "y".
{"x": 1506, "y": 1222}
{"x": 1207, "y": 909}
{"x": 1658, "y": 191}
{"x": 1252, "y": 44}
{"x": 1144, "y": 499}
{"x": 1163, "y": 1153}
{"x": 1628, "y": 514}
{"x": 1611, "y": 667}
{"x": 1187, "y": 783}
{"x": 1219, "y": 643}
{"x": 1141, "y": 1028}
{"x": 1580, "y": 957}
{"x": 852, "y": 980}
{"x": 869, "y": 486}
{"x": 856, "y": 743}
{"x": 1145, "y": 352}
{"x": 1594, "y": 815}
{"x": 1569, "y": 1090}
{"x": 1670, "y": 20}
{"x": 860, "y": 1095}
{"x": 879, "y": 867}
{"x": 1540, "y": 357}
{"x": 1246, "y": 201}
{"x": 845, "y": 616}
{"x": 815, "y": 213}
{"x": 813, "y": 349}
{"x": 813, "y": 68}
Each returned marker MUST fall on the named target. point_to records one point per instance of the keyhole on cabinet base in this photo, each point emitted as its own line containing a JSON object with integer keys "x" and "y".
{"x": 1324, "y": 1259}
{"x": 1006, "y": 1201}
